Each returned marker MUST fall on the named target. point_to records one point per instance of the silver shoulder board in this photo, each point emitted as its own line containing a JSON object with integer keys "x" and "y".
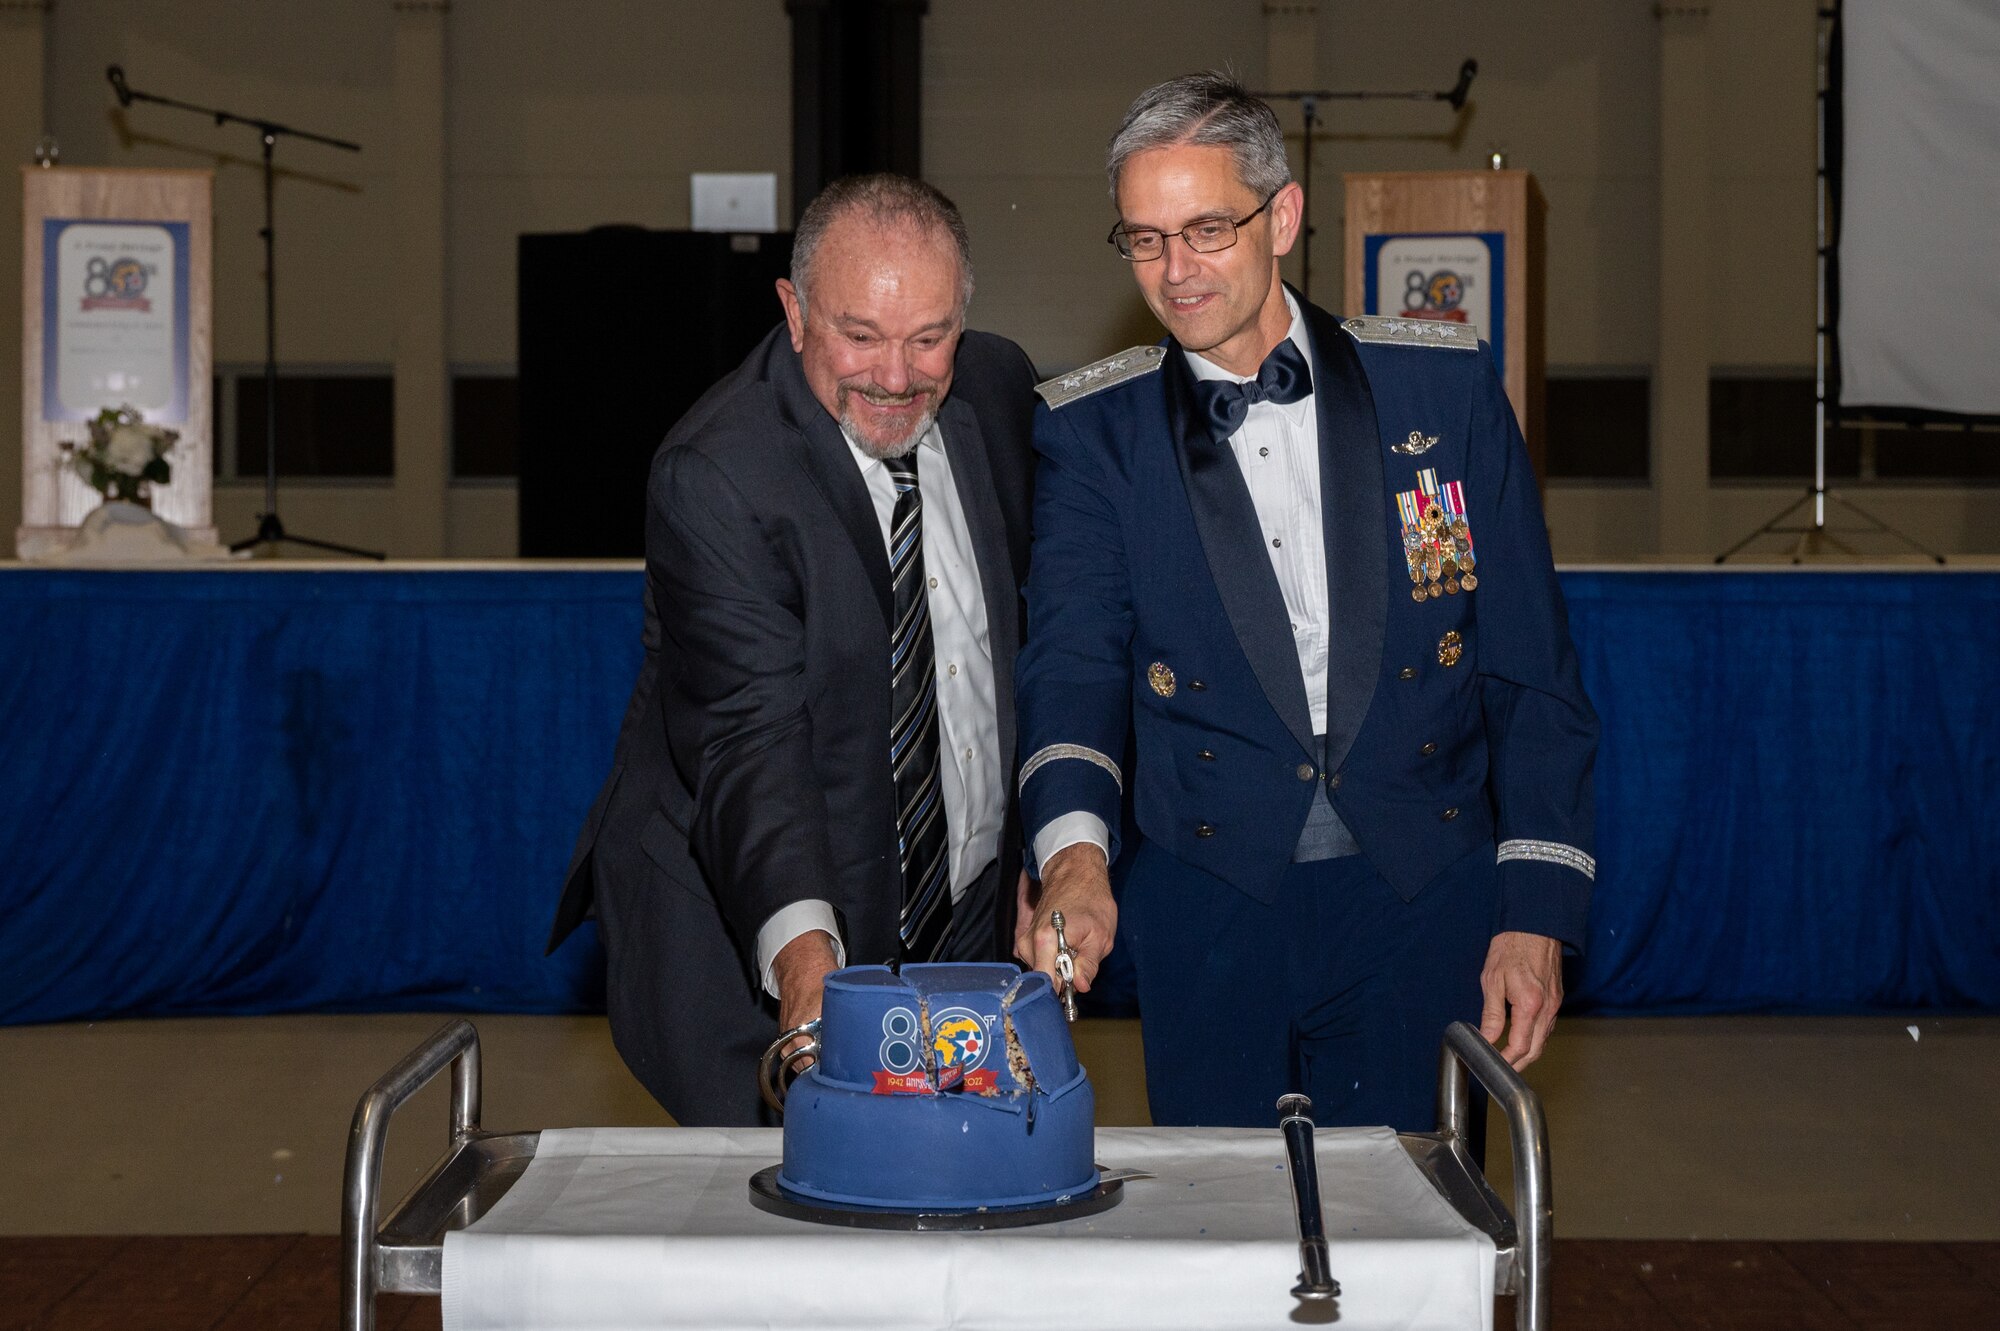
{"x": 1099, "y": 375}
{"x": 1413, "y": 332}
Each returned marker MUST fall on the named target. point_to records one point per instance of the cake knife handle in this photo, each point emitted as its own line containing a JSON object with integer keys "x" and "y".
{"x": 773, "y": 1068}
{"x": 1315, "y": 1277}
{"x": 1065, "y": 968}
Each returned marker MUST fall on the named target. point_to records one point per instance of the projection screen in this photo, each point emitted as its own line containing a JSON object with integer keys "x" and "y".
{"x": 1918, "y": 291}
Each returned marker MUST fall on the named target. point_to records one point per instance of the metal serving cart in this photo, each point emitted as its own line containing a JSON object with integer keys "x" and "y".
{"x": 404, "y": 1253}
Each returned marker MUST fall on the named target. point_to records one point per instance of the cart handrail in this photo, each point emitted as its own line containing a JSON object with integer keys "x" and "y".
{"x": 1534, "y": 1216}
{"x": 456, "y": 1044}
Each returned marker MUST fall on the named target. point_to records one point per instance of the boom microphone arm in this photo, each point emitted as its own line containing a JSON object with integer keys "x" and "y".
{"x": 1309, "y": 101}
{"x": 127, "y": 94}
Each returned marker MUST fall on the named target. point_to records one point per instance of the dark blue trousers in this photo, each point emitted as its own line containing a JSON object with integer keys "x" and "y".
{"x": 1339, "y": 988}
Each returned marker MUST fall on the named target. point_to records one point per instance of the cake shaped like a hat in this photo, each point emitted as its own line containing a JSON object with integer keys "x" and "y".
{"x": 944, "y": 1087}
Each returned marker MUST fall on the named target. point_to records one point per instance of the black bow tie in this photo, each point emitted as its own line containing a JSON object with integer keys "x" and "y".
{"x": 1284, "y": 377}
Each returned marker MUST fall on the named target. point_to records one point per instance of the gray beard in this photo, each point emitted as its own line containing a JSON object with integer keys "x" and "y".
{"x": 895, "y": 449}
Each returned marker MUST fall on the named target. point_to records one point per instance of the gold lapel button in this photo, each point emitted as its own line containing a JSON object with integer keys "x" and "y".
{"x": 1161, "y": 678}
{"x": 1450, "y": 648}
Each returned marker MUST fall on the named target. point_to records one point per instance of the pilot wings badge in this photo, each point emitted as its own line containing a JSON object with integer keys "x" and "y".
{"x": 1418, "y": 443}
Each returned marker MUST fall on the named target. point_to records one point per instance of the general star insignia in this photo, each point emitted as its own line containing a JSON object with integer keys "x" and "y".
{"x": 1100, "y": 375}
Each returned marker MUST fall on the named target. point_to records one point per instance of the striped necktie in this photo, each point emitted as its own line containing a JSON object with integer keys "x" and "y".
{"x": 921, "y": 837}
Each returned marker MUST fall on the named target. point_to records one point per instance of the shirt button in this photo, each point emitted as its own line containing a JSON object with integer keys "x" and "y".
{"x": 1306, "y": 772}
{"x": 968, "y": 755}
{"x": 1409, "y": 672}
{"x": 1428, "y": 750}
{"x": 933, "y": 584}
{"x": 1448, "y": 815}
{"x": 1277, "y": 542}
{"x": 1203, "y": 830}
{"x": 951, "y": 669}
{"x": 1263, "y": 452}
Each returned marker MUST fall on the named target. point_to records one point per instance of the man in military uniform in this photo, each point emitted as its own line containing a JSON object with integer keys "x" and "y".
{"x": 1300, "y": 564}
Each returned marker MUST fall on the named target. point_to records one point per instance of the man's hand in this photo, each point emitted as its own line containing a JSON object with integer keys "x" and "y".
{"x": 800, "y": 969}
{"x": 1523, "y": 983}
{"x": 1077, "y": 882}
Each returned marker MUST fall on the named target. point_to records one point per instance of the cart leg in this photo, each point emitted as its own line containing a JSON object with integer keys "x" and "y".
{"x": 456, "y": 1044}
{"x": 1534, "y": 1216}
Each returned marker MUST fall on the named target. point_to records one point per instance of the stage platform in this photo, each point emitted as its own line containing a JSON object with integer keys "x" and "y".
{"x": 333, "y": 787}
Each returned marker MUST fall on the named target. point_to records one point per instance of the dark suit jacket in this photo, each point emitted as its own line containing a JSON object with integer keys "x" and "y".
{"x": 757, "y": 734}
{"x": 1155, "y": 616}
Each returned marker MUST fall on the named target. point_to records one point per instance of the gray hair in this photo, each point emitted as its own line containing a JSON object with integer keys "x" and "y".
{"x": 885, "y": 200}
{"x": 1205, "y": 109}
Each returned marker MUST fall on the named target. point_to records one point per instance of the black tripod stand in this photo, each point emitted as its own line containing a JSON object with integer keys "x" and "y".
{"x": 270, "y": 528}
{"x": 1817, "y": 536}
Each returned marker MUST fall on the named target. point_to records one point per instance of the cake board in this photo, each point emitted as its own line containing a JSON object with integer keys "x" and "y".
{"x": 767, "y": 1194}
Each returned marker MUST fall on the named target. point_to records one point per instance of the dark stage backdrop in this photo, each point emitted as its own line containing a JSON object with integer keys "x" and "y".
{"x": 257, "y": 791}
{"x": 622, "y": 329}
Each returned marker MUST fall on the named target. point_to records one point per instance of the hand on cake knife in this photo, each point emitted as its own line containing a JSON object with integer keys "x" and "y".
{"x": 1065, "y": 968}
{"x": 1075, "y": 882}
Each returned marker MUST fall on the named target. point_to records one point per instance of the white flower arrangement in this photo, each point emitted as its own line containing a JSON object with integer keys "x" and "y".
{"x": 125, "y": 456}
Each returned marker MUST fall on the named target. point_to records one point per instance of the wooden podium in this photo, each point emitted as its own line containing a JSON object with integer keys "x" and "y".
{"x": 1460, "y": 245}
{"x": 115, "y": 310}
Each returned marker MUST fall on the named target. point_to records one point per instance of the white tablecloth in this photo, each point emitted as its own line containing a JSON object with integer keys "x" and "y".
{"x": 652, "y": 1227}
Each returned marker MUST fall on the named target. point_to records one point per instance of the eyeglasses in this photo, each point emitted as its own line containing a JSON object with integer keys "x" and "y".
{"x": 1142, "y": 244}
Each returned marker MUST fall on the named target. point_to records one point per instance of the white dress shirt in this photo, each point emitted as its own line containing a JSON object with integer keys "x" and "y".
{"x": 1277, "y": 450}
{"x": 969, "y": 766}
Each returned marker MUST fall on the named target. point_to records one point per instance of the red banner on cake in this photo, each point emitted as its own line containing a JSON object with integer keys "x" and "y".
{"x": 916, "y": 1083}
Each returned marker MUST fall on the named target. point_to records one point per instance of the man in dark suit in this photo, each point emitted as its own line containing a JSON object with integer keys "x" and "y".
{"x": 815, "y": 766}
{"x": 1301, "y": 565}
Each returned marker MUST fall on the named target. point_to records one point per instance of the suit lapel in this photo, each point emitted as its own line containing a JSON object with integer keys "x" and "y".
{"x": 1233, "y": 542}
{"x": 830, "y": 463}
{"x": 978, "y": 498}
{"x": 1351, "y": 495}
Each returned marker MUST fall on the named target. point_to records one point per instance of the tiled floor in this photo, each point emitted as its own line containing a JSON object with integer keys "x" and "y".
{"x": 1646, "y": 1285}
{"x": 283, "y": 1282}
{"x": 291, "y": 1283}
{"x": 1841, "y": 1173}
{"x": 1712, "y": 1128}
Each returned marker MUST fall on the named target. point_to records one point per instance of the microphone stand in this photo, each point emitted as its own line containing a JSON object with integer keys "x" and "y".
{"x": 270, "y": 528}
{"x": 1309, "y": 103}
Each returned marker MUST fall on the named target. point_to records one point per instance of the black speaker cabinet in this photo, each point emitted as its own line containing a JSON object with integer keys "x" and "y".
{"x": 622, "y": 329}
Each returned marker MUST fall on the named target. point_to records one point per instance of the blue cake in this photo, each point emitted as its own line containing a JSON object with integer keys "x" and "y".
{"x": 943, "y": 1088}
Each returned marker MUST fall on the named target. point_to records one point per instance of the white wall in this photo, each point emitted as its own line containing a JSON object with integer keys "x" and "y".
{"x": 321, "y": 66}
{"x": 569, "y": 115}
{"x": 565, "y": 115}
